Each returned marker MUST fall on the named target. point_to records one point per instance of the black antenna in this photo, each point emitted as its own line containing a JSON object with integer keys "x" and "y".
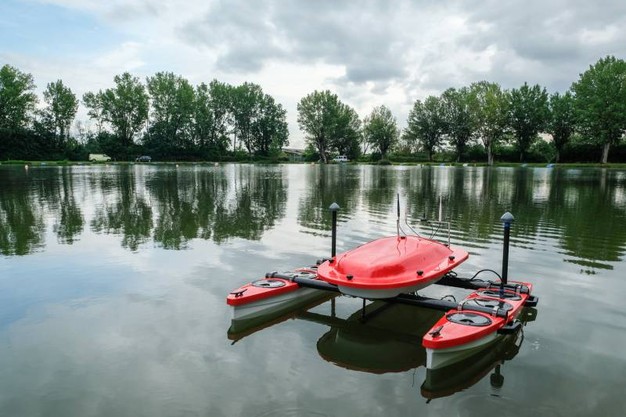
{"x": 398, "y": 220}
{"x": 333, "y": 245}
{"x": 507, "y": 218}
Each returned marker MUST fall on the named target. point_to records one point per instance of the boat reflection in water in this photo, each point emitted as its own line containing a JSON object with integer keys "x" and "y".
{"x": 381, "y": 338}
{"x": 385, "y": 337}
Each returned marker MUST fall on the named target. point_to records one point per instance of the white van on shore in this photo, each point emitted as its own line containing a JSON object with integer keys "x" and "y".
{"x": 99, "y": 157}
{"x": 340, "y": 158}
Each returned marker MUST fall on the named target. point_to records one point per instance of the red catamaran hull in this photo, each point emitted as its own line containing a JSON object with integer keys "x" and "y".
{"x": 462, "y": 332}
{"x": 270, "y": 294}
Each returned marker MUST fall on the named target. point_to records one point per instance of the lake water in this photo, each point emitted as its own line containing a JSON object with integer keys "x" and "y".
{"x": 113, "y": 282}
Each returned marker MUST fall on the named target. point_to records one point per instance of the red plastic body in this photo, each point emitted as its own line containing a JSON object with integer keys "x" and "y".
{"x": 453, "y": 334}
{"x": 391, "y": 262}
{"x": 249, "y": 293}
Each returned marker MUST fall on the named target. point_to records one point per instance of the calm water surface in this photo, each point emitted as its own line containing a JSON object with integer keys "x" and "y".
{"x": 113, "y": 282}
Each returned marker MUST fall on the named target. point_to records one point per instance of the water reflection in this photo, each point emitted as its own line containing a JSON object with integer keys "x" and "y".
{"x": 379, "y": 190}
{"x": 576, "y": 210}
{"x": 386, "y": 338}
{"x": 326, "y": 185}
{"x": 69, "y": 222}
{"x": 174, "y": 206}
{"x": 127, "y": 213}
{"x": 258, "y": 201}
{"x": 22, "y": 221}
{"x": 97, "y": 313}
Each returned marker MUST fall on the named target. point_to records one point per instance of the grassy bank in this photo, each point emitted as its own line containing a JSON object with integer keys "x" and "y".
{"x": 265, "y": 162}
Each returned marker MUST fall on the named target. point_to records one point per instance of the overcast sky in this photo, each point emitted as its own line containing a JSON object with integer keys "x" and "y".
{"x": 368, "y": 52}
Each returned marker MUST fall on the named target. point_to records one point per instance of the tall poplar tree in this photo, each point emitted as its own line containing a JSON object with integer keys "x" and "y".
{"x": 600, "y": 102}
{"x": 490, "y": 111}
{"x": 561, "y": 120}
{"x": 458, "y": 122}
{"x": 17, "y": 98}
{"x": 528, "y": 114}
{"x": 62, "y": 106}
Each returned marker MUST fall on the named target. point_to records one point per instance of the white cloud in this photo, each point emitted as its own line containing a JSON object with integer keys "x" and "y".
{"x": 369, "y": 53}
{"x": 600, "y": 36}
{"x": 125, "y": 58}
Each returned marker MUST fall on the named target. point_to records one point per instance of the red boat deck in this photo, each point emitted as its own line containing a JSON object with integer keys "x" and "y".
{"x": 389, "y": 266}
{"x": 462, "y": 329}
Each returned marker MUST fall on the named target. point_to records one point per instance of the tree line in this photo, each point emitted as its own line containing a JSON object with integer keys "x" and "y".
{"x": 594, "y": 107}
{"x": 171, "y": 119}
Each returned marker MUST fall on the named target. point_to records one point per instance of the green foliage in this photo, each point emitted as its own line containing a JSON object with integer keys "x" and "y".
{"x": 211, "y": 118}
{"x": 108, "y": 143}
{"x": 600, "y": 102}
{"x": 329, "y": 124}
{"x": 426, "y": 125}
{"x": 259, "y": 122}
{"x": 542, "y": 151}
{"x": 476, "y": 153}
{"x": 380, "y": 130}
{"x": 95, "y": 108}
{"x": 561, "y": 121}
{"x": 489, "y": 105}
{"x": 28, "y": 144}
{"x": 528, "y": 114}
{"x": 61, "y": 109}
{"x": 124, "y": 107}
{"x": 244, "y": 101}
{"x": 347, "y": 135}
{"x": 17, "y": 99}
{"x": 172, "y": 101}
{"x": 227, "y": 123}
{"x": 459, "y": 124}
{"x": 269, "y": 128}
{"x": 311, "y": 154}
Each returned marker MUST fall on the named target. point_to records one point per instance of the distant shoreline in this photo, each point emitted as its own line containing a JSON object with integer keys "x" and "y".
{"x": 213, "y": 163}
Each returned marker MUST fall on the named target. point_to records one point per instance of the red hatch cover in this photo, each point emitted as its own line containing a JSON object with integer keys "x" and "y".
{"x": 391, "y": 262}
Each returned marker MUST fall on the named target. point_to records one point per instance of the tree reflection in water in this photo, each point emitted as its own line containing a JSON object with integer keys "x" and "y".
{"x": 576, "y": 209}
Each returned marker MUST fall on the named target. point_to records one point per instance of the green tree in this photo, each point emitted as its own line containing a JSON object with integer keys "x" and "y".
{"x": 62, "y": 107}
{"x": 490, "y": 108}
{"x": 124, "y": 107}
{"x": 328, "y": 123}
{"x": 380, "y": 130}
{"x": 269, "y": 129}
{"x": 172, "y": 111}
{"x": 95, "y": 108}
{"x": 346, "y": 139}
{"x": 425, "y": 124}
{"x": 600, "y": 102}
{"x": 212, "y": 117}
{"x": 528, "y": 114}
{"x": 244, "y": 109}
{"x": 459, "y": 124}
{"x": 561, "y": 120}
{"x": 17, "y": 99}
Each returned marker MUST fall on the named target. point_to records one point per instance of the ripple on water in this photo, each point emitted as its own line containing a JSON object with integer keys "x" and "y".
{"x": 292, "y": 412}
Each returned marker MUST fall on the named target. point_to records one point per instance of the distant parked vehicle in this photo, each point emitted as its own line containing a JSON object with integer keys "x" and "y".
{"x": 99, "y": 157}
{"x": 143, "y": 158}
{"x": 341, "y": 158}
